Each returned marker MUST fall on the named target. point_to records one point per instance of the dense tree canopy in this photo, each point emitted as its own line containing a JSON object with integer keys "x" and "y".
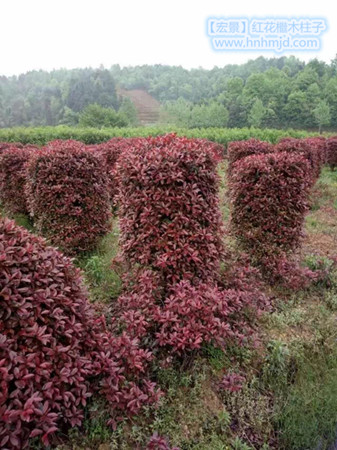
{"x": 275, "y": 92}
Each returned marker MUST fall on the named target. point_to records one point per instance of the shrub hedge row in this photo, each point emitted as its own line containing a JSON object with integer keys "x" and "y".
{"x": 40, "y": 136}
{"x": 269, "y": 197}
{"x": 110, "y": 152}
{"x": 313, "y": 149}
{"x": 240, "y": 149}
{"x": 67, "y": 187}
{"x": 69, "y": 183}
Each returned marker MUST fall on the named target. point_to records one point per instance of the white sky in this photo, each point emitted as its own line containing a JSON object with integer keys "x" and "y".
{"x": 47, "y": 34}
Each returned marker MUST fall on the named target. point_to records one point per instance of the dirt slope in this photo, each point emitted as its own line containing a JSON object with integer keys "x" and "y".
{"x": 147, "y": 106}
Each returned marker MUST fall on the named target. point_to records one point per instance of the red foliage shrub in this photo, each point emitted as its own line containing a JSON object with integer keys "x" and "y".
{"x": 68, "y": 195}
{"x": 110, "y": 152}
{"x": 171, "y": 233}
{"x": 54, "y": 352}
{"x": 239, "y": 274}
{"x": 318, "y": 142}
{"x": 214, "y": 148}
{"x": 13, "y": 162}
{"x": 184, "y": 317}
{"x": 169, "y": 212}
{"x": 269, "y": 199}
{"x": 279, "y": 268}
{"x": 237, "y": 150}
{"x": 65, "y": 144}
{"x": 313, "y": 149}
{"x": 5, "y": 145}
{"x": 331, "y": 152}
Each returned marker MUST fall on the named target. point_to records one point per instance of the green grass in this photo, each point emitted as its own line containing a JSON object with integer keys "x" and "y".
{"x": 104, "y": 282}
{"x": 308, "y": 419}
{"x": 21, "y": 219}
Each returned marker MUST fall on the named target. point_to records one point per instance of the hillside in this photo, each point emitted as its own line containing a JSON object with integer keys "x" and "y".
{"x": 147, "y": 107}
{"x": 268, "y": 93}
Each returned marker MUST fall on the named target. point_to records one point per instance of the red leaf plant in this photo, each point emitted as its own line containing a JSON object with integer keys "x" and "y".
{"x": 269, "y": 201}
{"x": 55, "y": 353}
{"x": 13, "y": 174}
{"x": 318, "y": 142}
{"x": 158, "y": 442}
{"x": 237, "y": 150}
{"x": 110, "y": 152}
{"x": 216, "y": 149}
{"x": 67, "y": 192}
{"x": 171, "y": 234}
{"x": 6, "y": 145}
{"x": 232, "y": 382}
{"x": 185, "y": 317}
{"x": 169, "y": 208}
{"x": 313, "y": 149}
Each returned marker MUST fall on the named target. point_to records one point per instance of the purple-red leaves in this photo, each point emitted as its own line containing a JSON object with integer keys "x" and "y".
{"x": 110, "y": 152}
{"x": 157, "y": 442}
{"x": 13, "y": 178}
{"x": 232, "y": 382}
{"x": 269, "y": 200}
{"x": 67, "y": 191}
{"x": 171, "y": 231}
{"x": 185, "y": 317}
{"x": 240, "y": 149}
{"x": 313, "y": 149}
{"x": 169, "y": 212}
{"x": 55, "y": 353}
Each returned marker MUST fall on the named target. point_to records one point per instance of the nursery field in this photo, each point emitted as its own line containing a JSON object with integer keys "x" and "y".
{"x": 289, "y": 396}
{"x": 204, "y": 313}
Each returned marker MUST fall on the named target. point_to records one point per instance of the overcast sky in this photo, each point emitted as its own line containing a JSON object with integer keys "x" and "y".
{"x": 48, "y": 34}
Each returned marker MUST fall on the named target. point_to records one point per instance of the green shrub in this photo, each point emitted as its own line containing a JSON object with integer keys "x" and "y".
{"x": 42, "y": 135}
{"x": 99, "y": 117}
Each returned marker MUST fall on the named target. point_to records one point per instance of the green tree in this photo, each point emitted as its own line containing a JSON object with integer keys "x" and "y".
{"x": 330, "y": 94}
{"x": 128, "y": 109}
{"x": 178, "y": 112}
{"x": 98, "y": 117}
{"x": 256, "y": 114}
{"x": 70, "y": 117}
{"x": 297, "y": 111}
{"x": 206, "y": 116}
{"x": 217, "y": 115}
{"x": 322, "y": 114}
{"x": 87, "y": 86}
{"x": 288, "y": 88}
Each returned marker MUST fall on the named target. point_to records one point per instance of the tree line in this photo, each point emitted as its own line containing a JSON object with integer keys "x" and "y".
{"x": 264, "y": 92}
